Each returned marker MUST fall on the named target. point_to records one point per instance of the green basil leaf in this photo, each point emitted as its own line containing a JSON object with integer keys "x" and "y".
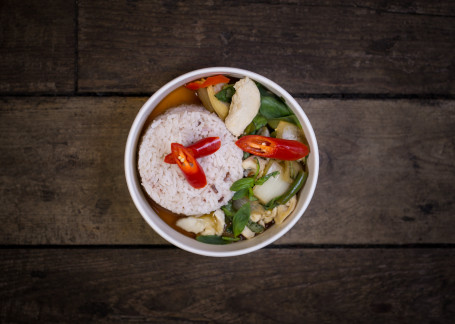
{"x": 258, "y": 168}
{"x": 259, "y": 121}
{"x": 230, "y": 239}
{"x": 211, "y": 239}
{"x": 271, "y": 108}
{"x": 263, "y": 91}
{"x": 263, "y": 179}
{"x": 250, "y": 129}
{"x": 255, "y": 227}
{"x": 251, "y": 196}
{"x": 290, "y": 119}
{"x": 241, "y": 218}
{"x": 226, "y": 93}
{"x": 271, "y": 204}
{"x": 228, "y": 210}
{"x": 242, "y": 183}
{"x": 240, "y": 194}
{"x": 246, "y": 155}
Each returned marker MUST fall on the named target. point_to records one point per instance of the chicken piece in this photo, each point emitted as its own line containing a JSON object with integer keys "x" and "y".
{"x": 284, "y": 211}
{"x": 260, "y": 215}
{"x": 250, "y": 165}
{"x": 212, "y": 224}
{"x": 244, "y": 106}
{"x": 247, "y": 233}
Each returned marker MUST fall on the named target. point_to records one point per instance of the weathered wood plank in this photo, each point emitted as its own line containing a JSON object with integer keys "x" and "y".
{"x": 268, "y": 286}
{"x": 402, "y": 47}
{"x": 387, "y": 172}
{"x": 37, "y": 47}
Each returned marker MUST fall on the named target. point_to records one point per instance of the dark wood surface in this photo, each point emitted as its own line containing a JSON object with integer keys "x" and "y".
{"x": 307, "y": 47}
{"x": 37, "y": 46}
{"x": 376, "y": 79}
{"x": 269, "y": 286}
{"x": 386, "y": 172}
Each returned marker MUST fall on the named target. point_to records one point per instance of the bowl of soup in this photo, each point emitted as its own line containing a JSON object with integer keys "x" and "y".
{"x": 221, "y": 161}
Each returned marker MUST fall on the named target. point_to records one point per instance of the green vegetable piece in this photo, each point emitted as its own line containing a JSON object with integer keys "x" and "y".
{"x": 226, "y": 93}
{"x": 263, "y": 91}
{"x": 263, "y": 179}
{"x": 259, "y": 121}
{"x": 251, "y": 196}
{"x": 271, "y": 107}
{"x": 255, "y": 227}
{"x": 290, "y": 119}
{"x": 228, "y": 210}
{"x": 250, "y": 129}
{"x": 241, "y": 194}
{"x": 246, "y": 155}
{"x": 294, "y": 188}
{"x": 211, "y": 239}
{"x": 242, "y": 184}
{"x": 271, "y": 204}
{"x": 258, "y": 168}
{"x": 241, "y": 218}
{"x": 230, "y": 239}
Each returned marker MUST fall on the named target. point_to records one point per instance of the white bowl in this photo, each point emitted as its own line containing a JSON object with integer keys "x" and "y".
{"x": 190, "y": 244}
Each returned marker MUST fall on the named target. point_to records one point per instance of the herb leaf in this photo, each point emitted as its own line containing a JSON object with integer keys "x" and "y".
{"x": 240, "y": 194}
{"x": 211, "y": 239}
{"x": 242, "y": 184}
{"x": 255, "y": 227}
{"x": 290, "y": 119}
{"x": 250, "y": 129}
{"x": 251, "y": 196}
{"x": 258, "y": 168}
{"x": 272, "y": 107}
{"x": 226, "y": 93}
{"x": 271, "y": 204}
{"x": 228, "y": 210}
{"x": 230, "y": 239}
{"x": 263, "y": 179}
{"x": 259, "y": 121}
{"x": 241, "y": 218}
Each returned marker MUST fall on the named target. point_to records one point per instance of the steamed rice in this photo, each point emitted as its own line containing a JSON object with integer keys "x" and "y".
{"x": 166, "y": 184}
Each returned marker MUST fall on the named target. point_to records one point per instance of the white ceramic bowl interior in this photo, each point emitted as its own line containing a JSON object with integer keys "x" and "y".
{"x": 187, "y": 243}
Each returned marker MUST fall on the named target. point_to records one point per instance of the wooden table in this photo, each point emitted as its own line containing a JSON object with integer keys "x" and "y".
{"x": 377, "y": 81}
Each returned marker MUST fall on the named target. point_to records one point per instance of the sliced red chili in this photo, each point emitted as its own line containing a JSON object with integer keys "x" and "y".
{"x": 204, "y": 83}
{"x": 275, "y": 148}
{"x": 204, "y": 147}
{"x": 190, "y": 167}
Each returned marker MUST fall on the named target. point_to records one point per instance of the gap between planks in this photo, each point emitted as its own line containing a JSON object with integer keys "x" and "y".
{"x": 270, "y": 247}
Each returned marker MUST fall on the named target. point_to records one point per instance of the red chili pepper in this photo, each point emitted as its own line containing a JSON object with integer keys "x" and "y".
{"x": 204, "y": 147}
{"x": 190, "y": 167}
{"x": 275, "y": 148}
{"x": 204, "y": 83}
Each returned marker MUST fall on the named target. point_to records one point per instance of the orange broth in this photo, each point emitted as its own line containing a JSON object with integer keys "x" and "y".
{"x": 178, "y": 97}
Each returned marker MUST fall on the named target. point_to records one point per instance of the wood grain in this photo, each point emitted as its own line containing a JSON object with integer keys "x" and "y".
{"x": 387, "y": 47}
{"x": 37, "y": 46}
{"x": 386, "y": 172}
{"x": 268, "y": 286}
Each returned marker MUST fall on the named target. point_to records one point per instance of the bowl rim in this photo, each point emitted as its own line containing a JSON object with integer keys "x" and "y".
{"x": 134, "y": 185}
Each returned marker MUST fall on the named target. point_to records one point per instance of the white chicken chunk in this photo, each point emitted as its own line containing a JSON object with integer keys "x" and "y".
{"x": 250, "y": 165}
{"x": 285, "y": 210}
{"x": 244, "y": 106}
{"x": 247, "y": 233}
{"x": 204, "y": 225}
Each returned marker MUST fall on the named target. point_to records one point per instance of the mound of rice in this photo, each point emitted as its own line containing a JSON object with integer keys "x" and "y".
{"x": 166, "y": 184}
